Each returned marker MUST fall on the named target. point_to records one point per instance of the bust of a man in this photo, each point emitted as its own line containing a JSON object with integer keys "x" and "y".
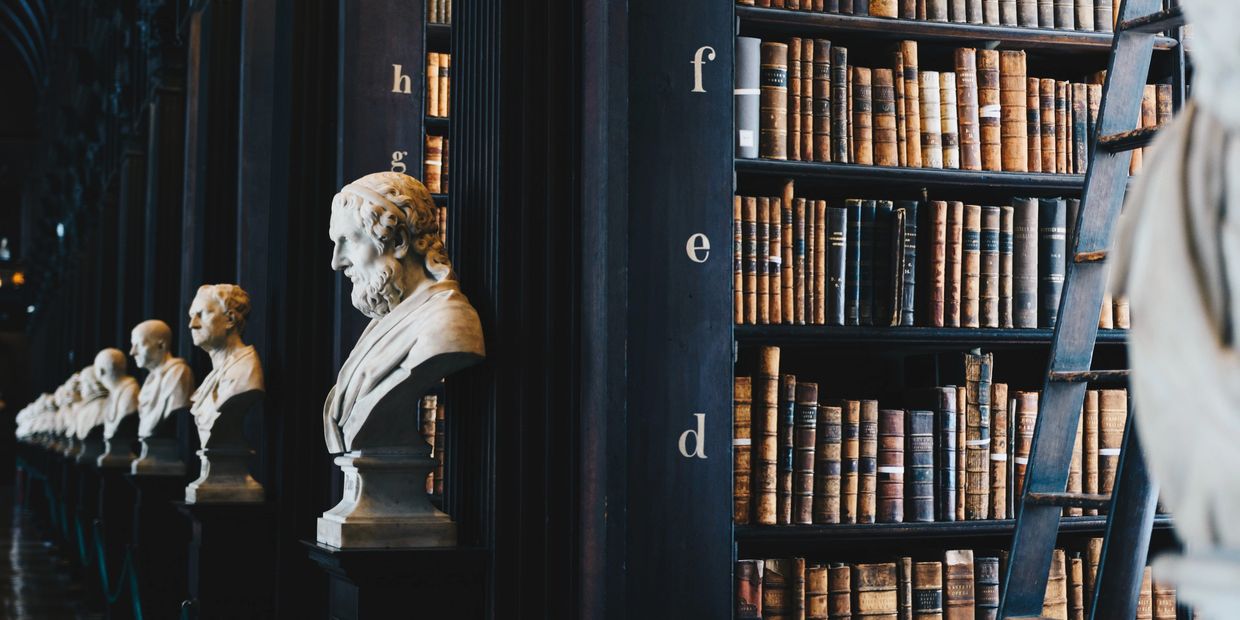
{"x": 170, "y": 383}
{"x": 216, "y": 322}
{"x": 94, "y": 399}
{"x": 386, "y": 238}
{"x": 120, "y": 422}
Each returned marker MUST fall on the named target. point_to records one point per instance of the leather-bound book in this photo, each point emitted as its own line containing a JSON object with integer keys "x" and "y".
{"x": 990, "y": 12}
{"x": 862, "y": 116}
{"x": 886, "y": 151}
{"x": 1025, "y": 262}
{"x": 1089, "y": 446}
{"x": 1103, "y": 19}
{"x": 839, "y": 602}
{"x": 874, "y": 592}
{"x": 817, "y": 592}
{"x": 773, "y": 102}
{"x": 927, "y": 591}
{"x": 1052, "y": 250}
{"x": 779, "y": 579}
{"x": 1074, "y": 468}
{"x": 1164, "y": 601}
{"x": 1055, "y": 604}
{"x": 1033, "y": 117}
{"x": 1007, "y": 13}
{"x": 763, "y": 231}
{"x": 884, "y": 8}
{"x": 798, "y": 589}
{"x": 952, "y": 281}
{"x": 427, "y": 407}
{"x": 912, "y": 103}
{"x": 799, "y": 263}
{"x": 835, "y": 272}
{"x": 787, "y": 446}
{"x": 1122, "y": 314}
{"x": 861, "y": 7}
{"x": 1145, "y": 598}
{"x": 749, "y": 226}
{"x": 820, "y": 262}
{"x": 919, "y": 472}
{"x": 742, "y": 446}
{"x": 908, "y": 294}
{"x": 883, "y": 221}
{"x": 1065, "y": 14}
{"x": 748, "y": 63}
{"x": 1046, "y": 98}
{"x": 793, "y": 4}
{"x": 808, "y": 129}
{"x": 970, "y": 267}
{"x": 904, "y": 588}
{"x": 1046, "y": 14}
{"x": 998, "y": 450}
{"x": 822, "y": 100}
{"x": 989, "y": 282}
{"x": 1027, "y": 13}
{"x": 934, "y": 224}
{"x": 786, "y": 238}
{"x": 433, "y": 175}
{"x": 852, "y": 263}
{"x": 432, "y": 84}
{"x": 794, "y": 99}
{"x": 1026, "y": 421}
{"x": 986, "y": 587}
{"x": 850, "y": 455}
{"x": 961, "y": 442}
{"x": 1093, "y": 557}
{"x": 931, "y": 123}
{"x": 956, "y": 11}
{"x": 1076, "y": 589}
{"x": 1093, "y": 99}
{"x": 1013, "y": 117}
{"x": 811, "y": 259}
{"x": 973, "y": 11}
{"x": 946, "y": 469}
{"x": 966, "y": 109}
{"x": 977, "y": 369}
{"x": 1162, "y": 105}
{"x": 958, "y": 586}
{"x": 1080, "y": 124}
{"x": 1006, "y": 223}
{"x": 738, "y": 259}
{"x": 949, "y": 138}
{"x": 897, "y": 83}
{"x": 766, "y": 434}
{"x": 867, "y": 462}
{"x": 908, "y": 9}
{"x": 1063, "y": 141}
{"x": 839, "y": 104}
{"x": 869, "y": 212}
{"x": 827, "y": 465}
{"x": 890, "y": 491}
{"x": 989, "y": 109}
{"x": 1084, "y": 15}
{"x": 1112, "y": 416}
{"x": 846, "y": 7}
{"x": 804, "y": 440}
{"x": 774, "y": 259}
{"x": 440, "y": 441}
{"x": 936, "y": 10}
{"x": 897, "y": 267}
{"x": 748, "y": 590}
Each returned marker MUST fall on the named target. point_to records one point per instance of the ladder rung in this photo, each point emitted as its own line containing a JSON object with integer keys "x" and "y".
{"x": 1096, "y": 256}
{"x": 1090, "y": 376}
{"x": 1161, "y": 21}
{"x": 1068, "y": 500}
{"x": 1127, "y": 140}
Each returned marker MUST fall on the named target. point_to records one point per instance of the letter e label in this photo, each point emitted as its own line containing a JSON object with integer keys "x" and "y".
{"x": 698, "y": 248}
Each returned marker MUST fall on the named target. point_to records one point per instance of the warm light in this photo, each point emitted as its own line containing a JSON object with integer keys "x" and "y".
{"x": 19, "y": 278}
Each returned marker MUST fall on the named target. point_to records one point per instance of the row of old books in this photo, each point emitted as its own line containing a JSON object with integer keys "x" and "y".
{"x": 962, "y": 584}
{"x": 1083, "y": 15}
{"x": 435, "y": 171}
{"x": 439, "y": 11}
{"x": 902, "y": 262}
{"x": 438, "y": 83}
{"x": 432, "y": 418}
{"x": 801, "y": 457}
{"x": 802, "y": 100}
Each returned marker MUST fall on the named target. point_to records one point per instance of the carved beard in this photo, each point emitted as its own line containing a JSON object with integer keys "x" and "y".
{"x": 375, "y": 291}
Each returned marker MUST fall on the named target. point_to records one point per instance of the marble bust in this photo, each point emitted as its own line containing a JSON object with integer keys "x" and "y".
{"x": 166, "y": 391}
{"x": 67, "y": 397}
{"x": 120, "y": 420}
{"x": 90, "y": 413}
{"x": 386, "y": 241}
{"x": 232, "y": 388}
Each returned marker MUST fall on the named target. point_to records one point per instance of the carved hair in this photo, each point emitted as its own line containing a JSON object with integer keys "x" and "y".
{"x": 397, "y": 211}
{"x": 91, "y": 387}
{"x": 234, "y": 300}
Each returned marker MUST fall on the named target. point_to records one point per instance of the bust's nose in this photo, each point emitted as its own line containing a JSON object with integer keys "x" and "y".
{"x": 339, "y": 262}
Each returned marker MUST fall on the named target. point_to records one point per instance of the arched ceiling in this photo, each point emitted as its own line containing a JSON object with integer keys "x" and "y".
{"x": 24, "y": 40}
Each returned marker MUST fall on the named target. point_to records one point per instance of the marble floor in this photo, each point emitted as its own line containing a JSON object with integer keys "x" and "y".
{"x": 34, "y": 583}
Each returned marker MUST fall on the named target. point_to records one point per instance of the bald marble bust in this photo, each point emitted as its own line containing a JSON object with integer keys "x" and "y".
{"x": 120, "y": 420}
{"x": 90, "y": 414}
{"x": 217, "y": 320}
{"x": 170, "y": 381}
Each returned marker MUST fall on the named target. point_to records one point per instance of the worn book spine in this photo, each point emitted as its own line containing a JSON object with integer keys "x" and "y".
{"x": 936, "y": 218}
{"x": 1084, "y": 15}
{"x": 989, "y": 109}
{"x": 862, "y": 116}
{"x": 1027, "y": 13}
{"x": 779, "y": 577}
{"x": 989, "y": 278}
{"x": 786, "y": 238}
{"x": 890, "y": 470}
{"x": 1164, "y": 601}
{"x": 1076, "y": 590}
{"x": 774, "y": 259}
{"x": 839, "y": 104}
{"x": 986, "y": 587}
{"x": 811, "y": 259}
{"x": 820, "y": 262}
{"x": 805, "y": 437}
{"x": 1007, "y": 13}
{"x": 766, "y": 431}
{"x": 433, "y": 173}
{"x": 977, "y": 435}
{"x": 1162, "y": 105}
{"x": 1033, "y": 117}
{"x": 738, "y": 259}
{"x": 973, "y": 11}
{"x": 1103, "y": 16}
{"x": 1046, "y": 14}
{"x": 1112, "y": 417}
{"x": 869, "y": 212}
{"x": 931, "y": 123}
{"x": 787, "y": 447}
{"x": 958, "y": 585}
{"x": 1093, "y": 557}
{"x": 1080, "y": 124}
{"x": 970, "y": 147}
{"x": 793, "y": 136}
{"x": 1089, "y": 447}
{"x": 1065, "y": 14}
{"x": 839, "y": 580}
{"x": 1052, "y": 248}
{"x": 1063, "y": 149}
{"x": 773, "y": 102}
{"x": 836, "y": 230}
{"x": 817, "y": 592}
{"x": 1013, "y": 122}
{"x": 827, "y": 465}
{"x": 886, "y": 149}
{"x": 908, "y": 266}
{"x": 884, "y": 8}
{"x": 919, "y": 472}
{"x": 851, "y": 448}
{"x": 1006, "y": 222}
{"x": 1093, "y": 103}
{"x": 429, "y": 405}
{"x": 742, "y": 446}
{"x": 883, "y": 222}
{"x": 763, "y": 232}
{"x": 821, "y": 106}
{"x": 955, "y": 257}
{"x": 957, "y": 11}
{"x": 970, "y": 267}
{"x": 852, "y": 263}
{"x": 961, "y": 442}
{"x": 949, "y": 137}
{"x": 998, "y": 450}
{"x": 874, "y": 591}
{"x": 945, "y": 474}
{"x": 1046, "y": 98}
{"x": 1026, "y": 420}
{"x": 912, "y": 103}
{"x": 897, "y": 83}
{"x": 867, "y": 462}
{"x": 749, "y": 225}
{"x": 1025, "y": 262}
{"x": 990, "y": 12}
{"x": 746, "y": 94}
{"x": 807, "y": 99}
{"x": 927, "y": 591}
{"x": 1055, "y": 604}
{"x": 799, "y": 249}
{"x": 748, "y": 590}
{"x": 908, "y": 9}
{"x": 432, "y": 84}
{"x": 904, "y": 591}
{"x": 936, "y": 10}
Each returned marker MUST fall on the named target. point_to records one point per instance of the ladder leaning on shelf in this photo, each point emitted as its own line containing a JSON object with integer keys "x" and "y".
{"x": 1131, "y": 506}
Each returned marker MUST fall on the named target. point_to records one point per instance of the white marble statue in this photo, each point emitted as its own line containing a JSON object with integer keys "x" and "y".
{"x": 120, "y": 419}
{"x": 166, "y": 391}
{"x": 232, "y": 388}
{"x": 90, "y": 415}
{"x": 386, "y": 238}
{"x": 67, "y": 397}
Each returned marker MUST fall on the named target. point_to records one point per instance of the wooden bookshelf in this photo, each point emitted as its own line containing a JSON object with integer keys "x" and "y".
{"x": 751, "y": 535}
{"x": 904, "y": 177}
{"x": 438, "y": 37}
{"x": 942, "y": 337}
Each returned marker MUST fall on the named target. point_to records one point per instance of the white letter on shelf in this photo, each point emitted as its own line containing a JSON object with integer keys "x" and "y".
{"x": 697, "y": 63}
{"x": 401, "y": 82}
{"x": 397, "y": 164}
{"x": 699, "y": 447}
{"x": 698, "y": 248}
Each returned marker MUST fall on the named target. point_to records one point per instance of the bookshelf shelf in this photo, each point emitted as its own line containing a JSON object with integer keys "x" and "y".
{"x": 813, "y": 335}
{"x": 440, "y": 199}
{"x": 438, "y": 123}
{"x": 763, "y": 21}
{"x": 749, "y": 534}
{"x": 438, "y": 37}
{"x": 904, "y": 177}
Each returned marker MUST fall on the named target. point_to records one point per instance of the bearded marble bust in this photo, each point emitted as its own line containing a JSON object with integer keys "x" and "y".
{"x": 422, "y": 328}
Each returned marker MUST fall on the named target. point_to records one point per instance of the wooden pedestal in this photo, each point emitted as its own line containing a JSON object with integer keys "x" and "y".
{"x": 158, "y": 543}
{"x": 115, "y": 526}
{"x": 231, "y": 560}
{"x": 371, "y": 584}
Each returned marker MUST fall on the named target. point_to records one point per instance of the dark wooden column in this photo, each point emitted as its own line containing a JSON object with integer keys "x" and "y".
{"x": 165, "y": 178}
{"x": 130, "y": 226}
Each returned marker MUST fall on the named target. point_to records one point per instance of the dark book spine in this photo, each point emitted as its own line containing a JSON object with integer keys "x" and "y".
{"x": 936, "y": 10}
{"x": 827, "y": 465}
{"x": 869, "y": 211}
{"x": 977, "y": 435}
{"x": 1046, "y": 14}
{"x": 1052, "y": 215}
{"x": 882, "y": 262}
{"x": 909, "y": 268}
{"x": 904, "y": 592}
{"x": 773, "y": 102}
{"x": 837, "y": 230}
{"x": 896, "y": 268}
{"x": 1005, "y": 266}
{"x": 986, "y": 587}
{"x": 793, "y": 136}
{"x": 851, "y": 451}
{"x": 799, "y": 248}
{"x": 908, "y": 9}
{"x": 807, "y": 99}
{"x": 886, "y": 152}
{"x": 822, "y": 100}
{"x": 1025, "y": 262}
{"x": 890, "y": 491}
{"x": 1033, "y": 117}
{"x": 945, "y": 446}
{"x": 927, "y": 591}
{"x": 839, "y": 104}
{"x": 774, "y": 259}
{"x": 919, "y": 481}
{"x": 787, "y": 424}
{"x": 970, "y": 267}
{"x": 787, "y": 276}
{"x": 738, "y": 259}
{"x": 742, "y": 446}
{"x": 805, "y": 432}
{"x": 763, "y": 265}
{"x": 897, "y": 61}
{"x": 1063, "y": 141}
{"x": 748, "y": 590}
{"x": 990, "y": 267}
{"x": 852, "y": 264}
{"x": 935, "y": 233}
{"x": 867, "y": 462}
{"x": 748, "y": 63}
{"x": 779, "y": 580}
{"x": 955, "y": 256}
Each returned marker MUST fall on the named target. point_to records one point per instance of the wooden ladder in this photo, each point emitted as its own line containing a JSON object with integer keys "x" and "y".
{"x": 1131, "y": 506}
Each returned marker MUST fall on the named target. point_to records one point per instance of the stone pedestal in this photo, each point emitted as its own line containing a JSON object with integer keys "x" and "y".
{"x": 160, "y": 456}
{"x": 115, "y": 527}
{"x": 366, "y": 584}
{"x": 92, "y": 449}
{"x": 231, "y": 560}
{"x": 385, "y": 504}
{"x": 224, "y": 477}
{"x": 117, "y": 452}
{"x": 158, "y": 544}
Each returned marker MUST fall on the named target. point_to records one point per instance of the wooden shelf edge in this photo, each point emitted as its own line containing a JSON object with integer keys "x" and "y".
{"x": 895, "y": 531}
{"x": 913, "y": 177}
{"x": 963, "y": 336}
{"x": 438, "y": 37}
{"x": 809, "y": 22}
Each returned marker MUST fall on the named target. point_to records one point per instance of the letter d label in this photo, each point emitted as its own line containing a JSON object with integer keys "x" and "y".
{"x": 699, "y": 448}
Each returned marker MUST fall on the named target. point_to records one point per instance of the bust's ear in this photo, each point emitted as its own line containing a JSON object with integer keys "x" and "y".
{"x": 400, "y": 248}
